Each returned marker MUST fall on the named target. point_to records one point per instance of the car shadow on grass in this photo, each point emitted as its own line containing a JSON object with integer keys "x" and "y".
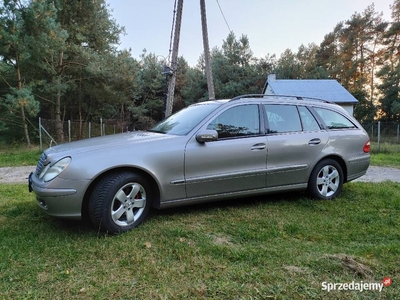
{"x": 235, "y": 203}
{"x": 85, "y": 227}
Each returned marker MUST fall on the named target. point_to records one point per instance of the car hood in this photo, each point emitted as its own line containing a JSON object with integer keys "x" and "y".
{"x": 106, "y": 142}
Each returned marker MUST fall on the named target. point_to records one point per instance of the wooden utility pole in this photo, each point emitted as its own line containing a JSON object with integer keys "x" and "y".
{"x": 174, "y": 61}
{"x": 210, "y": 83}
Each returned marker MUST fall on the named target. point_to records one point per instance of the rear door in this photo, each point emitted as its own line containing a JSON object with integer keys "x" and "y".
{"x": 295, "y": 140}
{"x": 235, "y": 162}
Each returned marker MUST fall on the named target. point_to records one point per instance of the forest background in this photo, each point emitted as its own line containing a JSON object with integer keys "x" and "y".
{"x": 59, "y": 60}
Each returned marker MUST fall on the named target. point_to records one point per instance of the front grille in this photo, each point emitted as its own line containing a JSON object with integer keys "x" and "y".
{"x": 40, "y": 164}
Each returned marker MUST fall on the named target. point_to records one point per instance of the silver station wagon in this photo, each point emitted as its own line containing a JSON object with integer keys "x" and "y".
{"x": 249, "y": 145}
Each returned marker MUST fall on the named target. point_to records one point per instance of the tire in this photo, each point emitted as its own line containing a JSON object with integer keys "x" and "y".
{"x": 120, "y": 202}
{"x": 326, "y": 180}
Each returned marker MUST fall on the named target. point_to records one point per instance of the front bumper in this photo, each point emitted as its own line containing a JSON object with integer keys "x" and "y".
{"x": 61, "y": 201}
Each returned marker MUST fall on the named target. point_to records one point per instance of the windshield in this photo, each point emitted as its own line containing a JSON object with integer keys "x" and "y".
{"x": 185, "y": 120}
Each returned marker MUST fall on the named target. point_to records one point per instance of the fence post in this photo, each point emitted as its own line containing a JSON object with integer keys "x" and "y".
{"x": 398, "y": 131}
{"x": 101, "y": 126}
{"x": 69, "y": 131}
{"x": 379, "y": 136}
{"x": 40, "y": 135}
{"x": 372, "y": 131}
{"x": 90, "y": 130}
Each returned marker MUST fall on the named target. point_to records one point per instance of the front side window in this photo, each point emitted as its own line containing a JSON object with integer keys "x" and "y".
{"x": 282, "y": 118}
{"x": 334, "y": 120}
{"x": 237, "y": 121}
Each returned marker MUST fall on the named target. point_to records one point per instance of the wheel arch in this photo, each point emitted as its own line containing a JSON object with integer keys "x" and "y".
{"x": 146, "y": 175}
{"x": 339, "y": 160}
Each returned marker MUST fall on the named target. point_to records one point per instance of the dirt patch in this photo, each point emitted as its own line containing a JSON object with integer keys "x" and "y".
{"x": 354, "y": 266}
{"x": 15, "y": 174}
{"x": 293, "y": 270}
{"x": 379, "y": 174}
{"x": 222, "y": 240}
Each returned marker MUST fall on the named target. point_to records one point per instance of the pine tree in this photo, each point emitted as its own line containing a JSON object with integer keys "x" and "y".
{"x": 14, "y": 50}
{"x": 390, "y": 72}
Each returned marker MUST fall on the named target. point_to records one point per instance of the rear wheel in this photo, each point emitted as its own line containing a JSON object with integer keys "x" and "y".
{"x": 120, "y": 202}
{"x": 326, "y": 180}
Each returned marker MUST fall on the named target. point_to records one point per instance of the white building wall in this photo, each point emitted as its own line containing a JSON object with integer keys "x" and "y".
{"x": 348, "y": 107}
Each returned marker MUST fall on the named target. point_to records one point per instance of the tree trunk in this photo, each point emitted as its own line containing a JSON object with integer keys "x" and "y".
{"x": 59, "y": 123}
{"x": 25, "y": 127}
{"x": 22, "y": 105}
{"x": 80, "y": 109}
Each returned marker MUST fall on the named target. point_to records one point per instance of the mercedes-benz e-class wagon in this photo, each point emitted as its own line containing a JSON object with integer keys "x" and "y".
{"x": 249, "y": 145}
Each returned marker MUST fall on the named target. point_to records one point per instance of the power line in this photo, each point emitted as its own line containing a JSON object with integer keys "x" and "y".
{"x": 226, "y": 22}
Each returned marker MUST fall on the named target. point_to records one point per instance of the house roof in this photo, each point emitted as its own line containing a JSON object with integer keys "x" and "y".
{"x": 327, "y": 89}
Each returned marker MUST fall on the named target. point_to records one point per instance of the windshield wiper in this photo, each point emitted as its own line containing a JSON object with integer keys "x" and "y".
{"x": 156, "y": 131}
{"x": 340, "y": 127}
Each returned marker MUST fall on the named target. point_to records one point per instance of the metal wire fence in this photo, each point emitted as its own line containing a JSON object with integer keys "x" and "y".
{"x": 384, "y": 136}
{"x": 75, "y": 130}
{"x": 387, "y": 132}
{"x": 379, "y": 132}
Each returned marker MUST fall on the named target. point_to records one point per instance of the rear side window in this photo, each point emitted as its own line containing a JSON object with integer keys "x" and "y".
{"x": 308, "y": 120}
{"x": 282, "y": 118}
{"x": 334, "y": 120}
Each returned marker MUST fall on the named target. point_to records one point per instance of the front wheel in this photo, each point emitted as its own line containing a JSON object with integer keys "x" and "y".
{"x": 326, "y": 180}
{"x": 120, "y": 202}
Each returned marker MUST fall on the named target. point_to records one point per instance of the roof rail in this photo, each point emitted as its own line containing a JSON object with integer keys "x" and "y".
{"x": 283, "y": 96}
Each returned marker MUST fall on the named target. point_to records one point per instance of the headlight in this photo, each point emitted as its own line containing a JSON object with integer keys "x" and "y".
{"x": 51, "y": 171}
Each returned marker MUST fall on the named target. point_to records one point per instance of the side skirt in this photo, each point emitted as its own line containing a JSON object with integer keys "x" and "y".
{"x": 217, "y": 197}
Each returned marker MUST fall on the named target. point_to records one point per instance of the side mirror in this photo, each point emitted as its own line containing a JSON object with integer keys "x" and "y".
{"x": 207, "y": 136}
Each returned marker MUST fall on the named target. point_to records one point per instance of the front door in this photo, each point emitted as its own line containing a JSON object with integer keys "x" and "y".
{"x": 235, "y": 162}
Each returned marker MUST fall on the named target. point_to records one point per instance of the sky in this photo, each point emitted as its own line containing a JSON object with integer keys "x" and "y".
{"x": 272, "y": 26}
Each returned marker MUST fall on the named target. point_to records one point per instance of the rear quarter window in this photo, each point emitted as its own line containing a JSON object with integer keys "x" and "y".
{"x": 333, "y": 119}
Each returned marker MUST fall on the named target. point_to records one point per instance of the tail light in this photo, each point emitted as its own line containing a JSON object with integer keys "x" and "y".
{"x": 367, "y": 147}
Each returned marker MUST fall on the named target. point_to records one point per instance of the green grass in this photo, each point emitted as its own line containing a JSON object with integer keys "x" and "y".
{"x": 387, "y": 155}
{"x": 275, "y": 247}
{"x": 386, "y": 160}
{"x": 385, "y": 147}
{"x": 13, "y": 157}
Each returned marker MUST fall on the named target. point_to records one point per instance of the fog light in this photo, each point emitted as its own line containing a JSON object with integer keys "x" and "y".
{"x": 42, "y": 204}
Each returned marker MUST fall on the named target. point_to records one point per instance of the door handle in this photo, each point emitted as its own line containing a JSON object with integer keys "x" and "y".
{"x": 314, "y": 141}
{"x": 259, "y": 146}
